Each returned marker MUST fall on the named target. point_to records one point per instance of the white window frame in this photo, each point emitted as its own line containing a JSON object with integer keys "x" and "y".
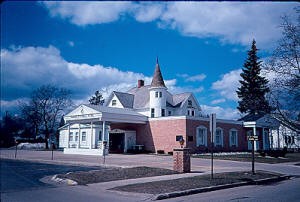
{"x": 236, "y": 137}
{"x": 71, "y": 137}
{"x": 156, "y": 94}
{"x": 221, "y": 138}
{"x": 204, "y": 139}
{"x": 83, "y": 134}
{"x": 76, "y": 136}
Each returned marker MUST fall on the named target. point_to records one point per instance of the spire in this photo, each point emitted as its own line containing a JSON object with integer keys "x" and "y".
{"x": 157, "y": 80}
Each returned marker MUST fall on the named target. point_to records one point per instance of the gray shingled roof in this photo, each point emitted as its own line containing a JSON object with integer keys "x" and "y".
{"x": 114, "y": 110}
{"x": 141, "y": 97}
{"x": 178, "y": 99}
{"x": 126, "y": 99}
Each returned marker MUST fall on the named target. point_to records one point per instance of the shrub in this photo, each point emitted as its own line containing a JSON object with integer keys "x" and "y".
{"x": 160, "y": 151}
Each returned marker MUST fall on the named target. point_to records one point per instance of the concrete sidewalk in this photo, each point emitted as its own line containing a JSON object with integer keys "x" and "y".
{"x": 159, "y": 161}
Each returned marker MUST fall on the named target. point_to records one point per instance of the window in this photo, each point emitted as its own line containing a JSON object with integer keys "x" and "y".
{"x": 160, "y": 94}
{"x": 190, "y": 138}
{"x": 71, "y": 136}
{"x": 233, "y": 138}
{"x": 188, "y": 112}
{"x": 163, "y": 112}
{"x": 113, "y": 102}
{"x": 190, "y": 103}
{"x": 219, "y": 137}
{"x": 152, "y": 112}
{"x": 156, "y": 94}
{"x": 201, "y": 137}
{"x": 169, "y": 113}
{"x": 83, "y": 136}
{"x": 193, "y": 113}
{"x": 100, "y": 135}
{"x": 76, "y": 136}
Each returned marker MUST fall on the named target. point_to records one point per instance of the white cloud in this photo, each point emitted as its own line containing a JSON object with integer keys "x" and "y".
{"x": 85, "y": 13}
{"x": 148, "y": 11}
{"x": 27, "y": 68}
{"x": 199, "y": 77}
{"x": 71, "y": 43}
{"x": 218, "y": 101}
{"x": 222, "y": 113}
{"x": 231, "y": 22}
{"x": 187, "y": 78}
{"x": 228, "y": 84}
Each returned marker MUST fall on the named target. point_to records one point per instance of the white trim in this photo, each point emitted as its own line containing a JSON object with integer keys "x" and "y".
{"x": 221, "y": 138}
{"x": 236, "y": 137}
{"x": 198, "y": 143}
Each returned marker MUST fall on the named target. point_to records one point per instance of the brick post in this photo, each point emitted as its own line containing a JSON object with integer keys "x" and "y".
{"x": 182, "y": 160}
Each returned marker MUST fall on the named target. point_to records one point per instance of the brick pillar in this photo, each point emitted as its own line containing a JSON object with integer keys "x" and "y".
{"x": 182, "y": 160}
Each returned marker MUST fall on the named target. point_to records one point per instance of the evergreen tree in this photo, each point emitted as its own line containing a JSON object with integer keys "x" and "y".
{"x": 253, "y": 86}
{"x": 97, "y": 99}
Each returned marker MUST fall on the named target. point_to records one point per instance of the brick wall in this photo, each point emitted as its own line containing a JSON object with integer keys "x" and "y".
{"x": 160, "y": 134}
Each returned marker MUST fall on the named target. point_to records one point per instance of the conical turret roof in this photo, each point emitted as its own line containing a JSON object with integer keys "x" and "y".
{"x": 157, "y": 80}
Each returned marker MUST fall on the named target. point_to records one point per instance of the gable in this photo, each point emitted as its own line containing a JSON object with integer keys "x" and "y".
{"x": 114, "y": 101}
{"x": 81, "y": 110}
{"x": 190, "y": 102}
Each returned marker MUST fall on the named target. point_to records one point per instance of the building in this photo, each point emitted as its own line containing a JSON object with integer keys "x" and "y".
{"x": 149, "y": 117}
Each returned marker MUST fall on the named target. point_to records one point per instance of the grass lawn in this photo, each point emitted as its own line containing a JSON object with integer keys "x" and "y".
{"x": 290, "y": 157}
{"x": 167, "y": 186}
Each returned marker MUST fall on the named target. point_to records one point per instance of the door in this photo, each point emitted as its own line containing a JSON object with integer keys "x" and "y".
{"x": 116, "y": 142}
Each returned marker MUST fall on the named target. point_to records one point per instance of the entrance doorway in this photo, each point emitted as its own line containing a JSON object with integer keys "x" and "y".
{"x": 116, "y": 142}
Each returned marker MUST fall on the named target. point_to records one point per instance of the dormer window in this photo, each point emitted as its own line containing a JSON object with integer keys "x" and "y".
{"x": 190, "y": 103}
{"x": 113, "y": 102}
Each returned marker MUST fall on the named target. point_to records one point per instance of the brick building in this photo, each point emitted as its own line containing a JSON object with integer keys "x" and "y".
{"x": 149, "y": 117}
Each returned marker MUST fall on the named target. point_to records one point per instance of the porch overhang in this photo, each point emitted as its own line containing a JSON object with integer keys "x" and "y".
{"x": 108, "y": 114}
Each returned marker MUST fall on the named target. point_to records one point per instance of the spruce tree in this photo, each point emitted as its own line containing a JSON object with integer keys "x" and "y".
{"x": 253, "y": 86}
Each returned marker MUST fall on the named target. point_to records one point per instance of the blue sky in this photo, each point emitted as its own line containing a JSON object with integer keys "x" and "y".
{"x": 89, "y": 46}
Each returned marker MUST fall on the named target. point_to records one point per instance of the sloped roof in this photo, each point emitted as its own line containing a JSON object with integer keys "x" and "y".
{"x": 251, "y": 117}
{"x": 157, "y": 80}
{"x": 114, "y": 110}
{"x": 178, "y": 99}
{"x": 141, "y": 96}
{"x": 126, "y": 99}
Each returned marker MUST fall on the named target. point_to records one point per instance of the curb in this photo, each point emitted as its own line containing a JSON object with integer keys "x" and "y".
{"x": 63, "y": 181}
{"x": 219, "y": 187}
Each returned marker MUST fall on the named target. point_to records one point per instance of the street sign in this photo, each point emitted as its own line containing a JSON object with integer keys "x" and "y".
{"x": 252, "y": 138}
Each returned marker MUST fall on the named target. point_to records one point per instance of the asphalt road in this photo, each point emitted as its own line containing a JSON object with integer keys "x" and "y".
{"x": 19, "y": 175}
{"x": 287, "y": 190}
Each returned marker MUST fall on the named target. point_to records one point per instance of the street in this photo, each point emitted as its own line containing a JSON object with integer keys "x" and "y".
{"x": 20, "y": 179}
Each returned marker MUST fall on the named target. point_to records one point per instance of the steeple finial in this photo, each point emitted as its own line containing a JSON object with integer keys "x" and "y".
{"x": 157, "y": 80}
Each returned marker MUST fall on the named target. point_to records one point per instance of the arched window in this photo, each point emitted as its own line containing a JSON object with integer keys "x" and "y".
{"x": 233, "y": 137}
{"x": 219, "y": 137}
{"x": 201, "y": 136}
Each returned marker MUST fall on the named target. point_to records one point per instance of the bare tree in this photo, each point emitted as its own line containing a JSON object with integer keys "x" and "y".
{"x": 285, "y": 67}
{"x": 46, "y": 107}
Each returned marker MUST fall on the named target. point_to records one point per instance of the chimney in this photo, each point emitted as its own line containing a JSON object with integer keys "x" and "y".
{"x": 140, "y": 83}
